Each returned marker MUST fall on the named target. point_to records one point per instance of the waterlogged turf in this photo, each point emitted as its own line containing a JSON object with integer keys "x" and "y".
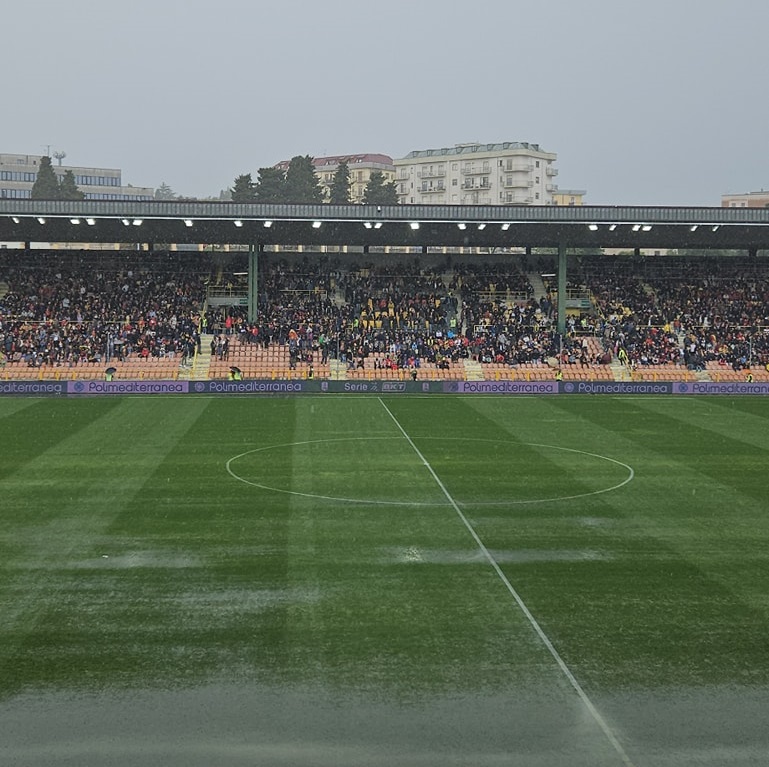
{"x": 402, "y": 580}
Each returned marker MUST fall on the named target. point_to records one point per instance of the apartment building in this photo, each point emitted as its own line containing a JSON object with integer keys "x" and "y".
{"x": 747, "y": 200}
{"x": 361, "y": 166}
{"x": 508, "y": 173}
{"x": 19, "y": 171}
{"x": 569, "y": 197}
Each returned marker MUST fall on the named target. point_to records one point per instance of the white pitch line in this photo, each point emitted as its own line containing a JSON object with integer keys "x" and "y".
{"x": 583, "y": 696}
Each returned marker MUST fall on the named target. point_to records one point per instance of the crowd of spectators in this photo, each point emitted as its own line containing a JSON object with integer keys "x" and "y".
{"x": 684, "y": 310}
{"x": 67, "y": 309}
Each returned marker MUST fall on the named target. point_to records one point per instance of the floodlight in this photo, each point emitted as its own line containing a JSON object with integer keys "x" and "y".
{"x": 238, "y": 223}
{"x": 40, "y": 220}
{"x": 646, "y": 228}
{"x": 612, "y": 227}
{"x": 636, "y": 227}
{"x": 693, "y": 227}
{"x": 715, "y": 228}
{"x": 74, "y": 221}
{"x": 267, "y": 224}
{"x": 505, "y": 227}
{"x": 462, "y": 226}
{"x": 367, "y": 224}
{"x": 593, "y": 227}
{"x": 378, "y": 225}
{"x": 90, "y": 221}
{"x": 15, "y": 219}
{"x": 317, "y": 224}
{"x": 481, "y": 226}
{"x": 414, "y": 225}
{"x": 138, "y": 221}
{"x": 188, "y": 222}
{"x": 126, "y": 222}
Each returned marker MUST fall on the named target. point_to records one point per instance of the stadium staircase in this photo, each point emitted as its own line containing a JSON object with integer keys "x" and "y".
{"x": 338, "y": 370}
{"x": 538, "y": 286}
{"x": 474, "y": 371}
{"x": 201, "y": 363}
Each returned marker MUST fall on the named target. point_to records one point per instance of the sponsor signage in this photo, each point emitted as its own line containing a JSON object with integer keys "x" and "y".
{"x": 501, "y": 387}
{"x": 256, "y": 387}
{"x": 616, "y": 387}
{"x": 710, "y": 387}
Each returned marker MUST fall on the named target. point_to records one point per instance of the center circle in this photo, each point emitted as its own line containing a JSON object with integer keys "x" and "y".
{"x": 312, "y": 462}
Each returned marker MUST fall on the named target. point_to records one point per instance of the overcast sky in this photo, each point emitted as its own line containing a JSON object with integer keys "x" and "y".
{"x": 649, "y": 102}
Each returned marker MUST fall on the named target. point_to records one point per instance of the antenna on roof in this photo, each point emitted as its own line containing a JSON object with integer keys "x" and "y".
{"x": 59, "y": 156}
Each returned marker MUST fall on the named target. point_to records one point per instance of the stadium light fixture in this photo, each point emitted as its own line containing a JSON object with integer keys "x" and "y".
{"x": 715, "y": 228}
{"x": 267, "y": 224}
{"x": 593, "y": 227}
{"x": 414, "y": 225}
{"x": 90, "y": 221}
{"x": 462, "y": 226}
{"x": 138, "y": 221}
{"x": 74, "y": 221}
{"x": 367, "y": 224}
{"x": 126, "y": 222}
{"x": 612, "y": 227}
{"x": 646, "y": 228}
{"x": 636, "y": 227}
{"x": 505, "y": 227}
{"x": 317, "y": 224}
{"x": 481, "y": 226}
{"x": 238, "y": 223}
{"x": 693, "y": 227}
{"x": 378, "y": 225}
{"x": 15, "y": 219}
{"x": 40, "y": 220}
{"x": 188, "y": 222}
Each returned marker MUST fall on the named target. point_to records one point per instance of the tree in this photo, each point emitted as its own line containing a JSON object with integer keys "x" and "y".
{"x": 164, "y": 192}
{"x": 244, "y": 189}
{"x": 302, "y": 185}
{"x": 46, "y": 186}
{"x": 340, "y": 185}
{"x": 68, "y": 189}
{"x": 378, "y": 191}
{"x": 270, "y": 185}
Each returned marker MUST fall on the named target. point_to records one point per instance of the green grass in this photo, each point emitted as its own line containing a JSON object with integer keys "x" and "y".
{"x": 151, "y": 543}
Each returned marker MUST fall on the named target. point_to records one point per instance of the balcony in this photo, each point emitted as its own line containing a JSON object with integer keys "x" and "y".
{"x": 476, "y": 170}
{"x": 432, "y": 190}
{"x": 430, "y": 173}
{"x": 551, "y": 171}
{"x": 517, "y": 183}
{"x": 518, "y": 167}
{"x": 551, "y": 187}
{"x": 468, "y": 187}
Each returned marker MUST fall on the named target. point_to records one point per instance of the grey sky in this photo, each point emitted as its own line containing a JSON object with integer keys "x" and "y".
{"x": 645, "y": 102}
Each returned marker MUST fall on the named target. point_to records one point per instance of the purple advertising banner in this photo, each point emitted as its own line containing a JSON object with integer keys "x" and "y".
{"x": 33, "y": 388}
{"x": 501, "y": 387}
{"x": 248, "y": 387}
{"x": 616, "y": 387}
{"x": 121, "y": 388}
{"x": 710, "y": 387}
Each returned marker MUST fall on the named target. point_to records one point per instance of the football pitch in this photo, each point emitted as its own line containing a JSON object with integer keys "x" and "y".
{"x": 399, "y": 580}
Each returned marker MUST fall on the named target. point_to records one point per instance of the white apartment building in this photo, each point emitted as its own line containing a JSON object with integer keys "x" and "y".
{"x": 19, "y": 171}
{"x": 509, "y": 173}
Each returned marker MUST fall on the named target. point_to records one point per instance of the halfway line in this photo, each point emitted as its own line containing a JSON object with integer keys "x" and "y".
{"x": 599, "y": 720}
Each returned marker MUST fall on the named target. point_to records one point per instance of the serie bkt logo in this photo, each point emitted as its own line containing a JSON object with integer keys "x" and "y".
{"x": 393, "y": 386}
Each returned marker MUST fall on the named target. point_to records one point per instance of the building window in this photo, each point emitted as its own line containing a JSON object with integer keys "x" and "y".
{"x": 536, "y": 164}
